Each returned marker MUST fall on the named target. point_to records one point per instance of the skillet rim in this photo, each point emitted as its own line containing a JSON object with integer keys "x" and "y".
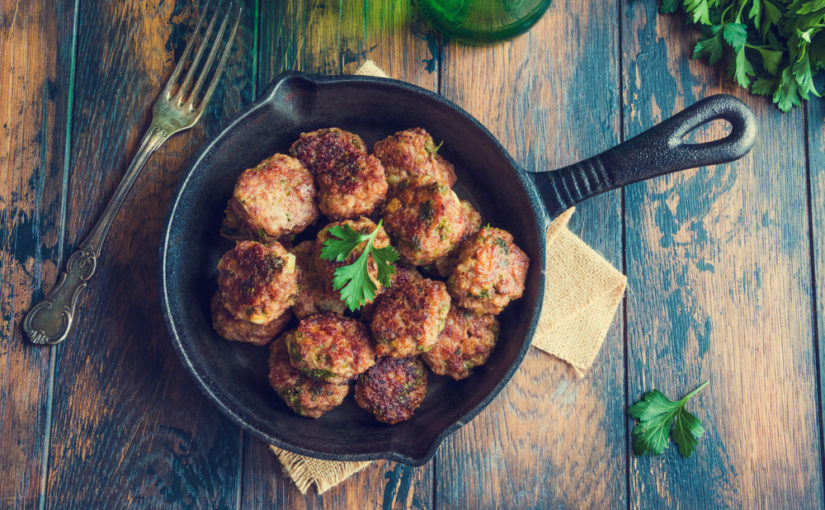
{"x": 202, "y": 378}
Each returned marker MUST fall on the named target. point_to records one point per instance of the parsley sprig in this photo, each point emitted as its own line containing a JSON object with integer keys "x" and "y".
{"x": 353, "y": 281}
{"x": 657, "y": 415}
{"x": 773, "y": 48}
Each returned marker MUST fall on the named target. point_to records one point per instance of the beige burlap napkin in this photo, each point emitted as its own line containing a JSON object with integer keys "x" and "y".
{"x": 581, "y": 293}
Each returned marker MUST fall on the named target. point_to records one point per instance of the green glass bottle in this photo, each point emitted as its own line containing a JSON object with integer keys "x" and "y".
{"x": 483, "y": 20}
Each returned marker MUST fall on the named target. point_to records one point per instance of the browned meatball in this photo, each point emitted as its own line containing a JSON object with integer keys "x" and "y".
{"x": 326, "y": 268}
{"x": 490, "y": 273}
{"x": 392, "y": 389}
{"x": 304, "y": 395}
{"x": 274, "y": 199}
{"x": 313, "y": 297}
{"x": 352, "y": 187}
{"x": 412, "y": 153}
{"x": 320, "y": 149}
{"x": 404, "y": 275}
{"x": 426, "y": 218}
{"x": 444, "y": 265}
{"x": 401, "y": 276}
{"x": 239, "y": 330}
{"x": 465, "y": 342}
{"x": 331, "y": 347}
{"x": 258, "y": 282}
{"x": 471, "y": 219}
{"x": 408, "y": 317}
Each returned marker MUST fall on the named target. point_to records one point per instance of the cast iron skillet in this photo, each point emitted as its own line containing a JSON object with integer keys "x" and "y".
{"x": 234, "y": 376}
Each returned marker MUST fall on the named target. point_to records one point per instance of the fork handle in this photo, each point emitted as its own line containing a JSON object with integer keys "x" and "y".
{"x": 50, "y": 320}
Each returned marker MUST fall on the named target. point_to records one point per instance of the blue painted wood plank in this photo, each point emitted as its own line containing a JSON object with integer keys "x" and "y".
{"x": 130, "y": 428}
{"x": 549, "y": 440}
{"x": 35, "y": 58}
{"x": 816, "y": 171}
{"x": 720, "y": 290}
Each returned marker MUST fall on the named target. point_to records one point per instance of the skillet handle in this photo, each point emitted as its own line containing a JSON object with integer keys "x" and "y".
{"x": 659, "y": 150}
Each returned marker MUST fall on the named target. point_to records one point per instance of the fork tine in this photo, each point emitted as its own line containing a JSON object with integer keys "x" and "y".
{"x": 167, "y": 89}
{"x": 196, "y": 60}
{"x": 199, "y": 82}
{"x": 219, "y": 69}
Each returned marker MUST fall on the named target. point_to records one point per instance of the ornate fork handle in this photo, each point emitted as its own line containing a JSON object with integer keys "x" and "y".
{"x": 50, "y": 320}
{"x": 178, "y": 108}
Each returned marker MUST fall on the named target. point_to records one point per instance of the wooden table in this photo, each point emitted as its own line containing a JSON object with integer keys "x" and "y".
{"x": 724, "y": 265}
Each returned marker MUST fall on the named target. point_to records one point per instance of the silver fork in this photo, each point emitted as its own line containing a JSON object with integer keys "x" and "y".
{"x": 176, "y": 109}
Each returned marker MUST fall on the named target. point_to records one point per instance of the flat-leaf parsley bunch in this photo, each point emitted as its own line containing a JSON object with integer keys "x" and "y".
{"x": 773, "y": 48}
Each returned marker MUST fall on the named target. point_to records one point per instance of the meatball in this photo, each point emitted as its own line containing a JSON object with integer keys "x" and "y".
{"x": 401, "y": 276}
{"x": 412, "y": 153}
{"x": 392, "y": 389}
{"x": 326, "y": 268}
{"x": 313, "y": 297}
{"x": 465, "y": 342}
{"x": 331, "y": 347}
{"x": 444, "y": 265}
{"x": 490, "y": 272}
{"x": 258, "y": 282}
{"x": 239, "y": 330}
{"x": 471, "y": 219}
{"x": 426, "y": 218}
{"x": 304, "y": 395}
{"x": 352, "y": 187}
{"x": 408, "y": 317}
{"x": 404, "y": 275}
{"x": 321, "y": 149}
{"x": 274, "y": 199}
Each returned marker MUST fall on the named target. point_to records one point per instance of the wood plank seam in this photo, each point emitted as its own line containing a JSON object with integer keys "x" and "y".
{"x": 623, "y": 203}
{"x": 814, "y": 297}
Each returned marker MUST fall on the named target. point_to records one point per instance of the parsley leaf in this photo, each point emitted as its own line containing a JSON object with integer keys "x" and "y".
{"x": 771, "y": 16}
{"x": 657, "y": 416}
{"x": 786, "y": 95}
{"x": 698, "y": 10}
{"x": 353, "y": 281}
{"x": 735, "y": 34}
{"x": 763, "y": 87}
{"x": 710, "y": 47}
{"x": 742, "y": 69}
{"x": 770, "y": 60}
{"x": 384, "y": 258}
{"x": 756, "y": 12}
{"x": 343, "y": 241}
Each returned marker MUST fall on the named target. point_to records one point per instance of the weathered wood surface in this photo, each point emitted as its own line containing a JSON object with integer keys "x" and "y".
{"x": 34, "y": 94}
{"x": 719, "y": 267}
{"x": 724, "y": 263}
{"x": 549, "y": 440}
{"x": 129, "y": 427}
{"x": 816, "y": 171}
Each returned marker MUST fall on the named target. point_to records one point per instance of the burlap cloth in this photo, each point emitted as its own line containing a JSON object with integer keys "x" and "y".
{"x": 583, "y": 291}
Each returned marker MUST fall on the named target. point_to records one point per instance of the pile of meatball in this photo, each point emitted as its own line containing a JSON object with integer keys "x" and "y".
{"x": 444, "y": 318}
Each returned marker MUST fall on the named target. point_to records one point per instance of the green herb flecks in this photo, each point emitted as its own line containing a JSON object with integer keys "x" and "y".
{"x": 432, "y": 148}
{"x": 427, "y": 211}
